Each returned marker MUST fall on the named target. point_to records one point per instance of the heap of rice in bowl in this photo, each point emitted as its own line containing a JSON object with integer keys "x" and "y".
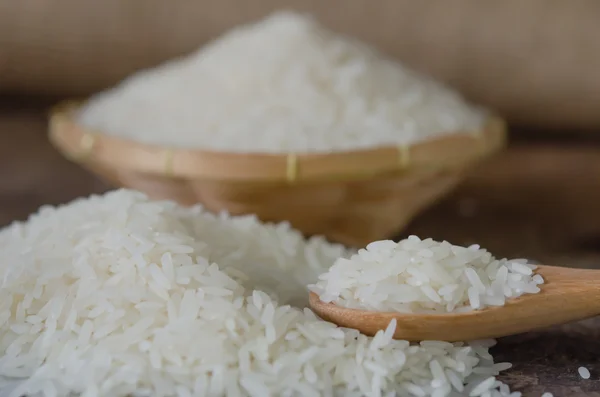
{"x": 281, "y": 84}
{"x": 118, "y": 295}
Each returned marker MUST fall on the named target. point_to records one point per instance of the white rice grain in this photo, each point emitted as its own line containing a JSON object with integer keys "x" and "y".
{"x": 584, "y": 372}
{"x": 482, "y": 387}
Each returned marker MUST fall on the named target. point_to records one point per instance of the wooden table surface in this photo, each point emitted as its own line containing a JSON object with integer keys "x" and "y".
{"x": 535, "y": 201}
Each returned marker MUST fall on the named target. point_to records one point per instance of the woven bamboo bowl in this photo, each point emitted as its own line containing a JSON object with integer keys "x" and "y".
{"x": 350, "y": 197}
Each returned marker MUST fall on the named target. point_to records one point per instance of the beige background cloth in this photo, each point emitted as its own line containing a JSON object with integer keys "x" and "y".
{"x": 535, "y": 61}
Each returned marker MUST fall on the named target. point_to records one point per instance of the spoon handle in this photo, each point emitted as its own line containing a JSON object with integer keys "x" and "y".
{"x": 579, "y": 288}
{"x": 567, "y": 295}
{"x": 569, "y": 280}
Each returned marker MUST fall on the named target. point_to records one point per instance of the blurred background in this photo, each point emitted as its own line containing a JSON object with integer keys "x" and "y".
{"x": 536, "y": 62}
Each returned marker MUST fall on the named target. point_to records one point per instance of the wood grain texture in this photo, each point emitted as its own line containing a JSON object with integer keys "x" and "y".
{"x": 498, "y": 206}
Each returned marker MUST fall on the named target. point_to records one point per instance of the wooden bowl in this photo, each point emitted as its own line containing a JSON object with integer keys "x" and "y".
{"x": 350, "y": 197}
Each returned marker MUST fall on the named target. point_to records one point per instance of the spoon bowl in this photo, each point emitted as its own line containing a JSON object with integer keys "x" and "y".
{"x": 566, "y": 295}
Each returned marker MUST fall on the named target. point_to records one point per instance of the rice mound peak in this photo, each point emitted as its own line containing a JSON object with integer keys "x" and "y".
{"x": 281, "y": 84}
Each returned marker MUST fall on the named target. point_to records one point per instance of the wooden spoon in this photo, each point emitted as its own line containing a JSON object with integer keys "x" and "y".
{"x": 566, "y": 295}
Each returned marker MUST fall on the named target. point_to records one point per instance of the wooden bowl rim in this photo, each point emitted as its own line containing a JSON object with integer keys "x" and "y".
{"x": 86, "y": 146}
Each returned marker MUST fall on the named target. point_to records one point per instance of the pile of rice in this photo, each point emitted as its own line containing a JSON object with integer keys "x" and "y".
{"x": 282, "y": 84}
{"x": 118, "y": 295}
{"x": 425, "y": 276}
